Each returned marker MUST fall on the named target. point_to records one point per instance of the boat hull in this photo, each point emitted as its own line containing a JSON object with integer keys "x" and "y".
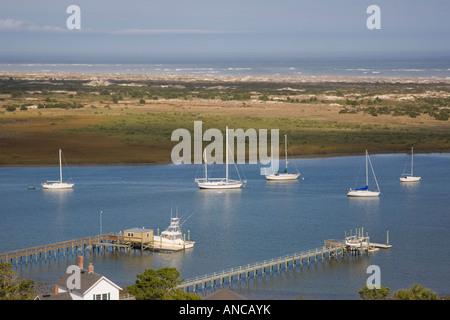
{"x": 62, "y": 185}
{"x": 356, "y": 245}
{"x": 283, "y": 176}
{"x": 219, "y": 184}
{"x": 167, "y": 245}
{"x": 410, "y": 179}
{"x": 363, "y": 193}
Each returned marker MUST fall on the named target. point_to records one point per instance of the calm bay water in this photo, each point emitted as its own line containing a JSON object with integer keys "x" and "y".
{"x": 231, "y": 228}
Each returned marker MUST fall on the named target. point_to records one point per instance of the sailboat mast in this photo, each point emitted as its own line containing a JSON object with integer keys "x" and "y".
{"x": 285, "y": 149}
{"x": 60, "y": 167}
{"x": 226, "y": 156}
{"x": 206, "y": 165}
{"x": 412, "y": 161}
{"x": 367, "y": 171}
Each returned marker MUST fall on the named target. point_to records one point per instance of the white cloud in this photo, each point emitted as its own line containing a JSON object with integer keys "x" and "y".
{"x": 172, "y": 31}
{"x": 26, "y": 26}
{"x": 20, "y": 25}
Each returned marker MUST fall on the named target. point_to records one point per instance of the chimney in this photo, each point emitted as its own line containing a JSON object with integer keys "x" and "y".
{"x": 80, "y": 262}
{"x": 91, "y": 267}
{"x": 56, "y": 290}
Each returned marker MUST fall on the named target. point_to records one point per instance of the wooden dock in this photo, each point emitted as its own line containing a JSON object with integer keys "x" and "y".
{"x": 49, "y": 251}
{"x": 99, "y": 243}
{"x": 332, "y": 249}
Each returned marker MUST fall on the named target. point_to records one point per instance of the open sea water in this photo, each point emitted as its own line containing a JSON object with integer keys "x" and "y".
{"x": 238, "y": 227}
{"x": 430, "y": 65}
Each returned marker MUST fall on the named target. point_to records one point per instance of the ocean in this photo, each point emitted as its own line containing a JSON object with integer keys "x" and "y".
{"x": 429, "y": 65}
{"x": 234, "y": 228}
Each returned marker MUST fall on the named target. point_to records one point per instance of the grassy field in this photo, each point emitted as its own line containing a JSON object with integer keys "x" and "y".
{"x": 131, "y": 121}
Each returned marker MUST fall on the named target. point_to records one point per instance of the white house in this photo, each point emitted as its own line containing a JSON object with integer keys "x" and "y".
{"x": 93, "y": 286}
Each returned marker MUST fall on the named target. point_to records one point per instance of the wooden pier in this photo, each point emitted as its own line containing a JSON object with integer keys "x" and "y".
{"x": 98, "y": 243}
{"x": 139, "y": 239}
{"x": 49, "y": 251}
{"x": 332, "y": 249}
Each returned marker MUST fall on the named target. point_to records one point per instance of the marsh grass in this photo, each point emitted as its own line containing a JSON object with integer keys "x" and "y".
{"x": 133, "y": 124}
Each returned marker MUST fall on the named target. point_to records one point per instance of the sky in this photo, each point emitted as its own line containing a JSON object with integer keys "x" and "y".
{"x": 31, "y": 28}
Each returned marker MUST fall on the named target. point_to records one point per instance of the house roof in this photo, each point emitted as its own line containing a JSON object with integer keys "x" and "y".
{"x": 87, "y": 281}
{"x": 52, "y": 296}
{"x": 139, "y": 229}
{"x": 224, "y": 294}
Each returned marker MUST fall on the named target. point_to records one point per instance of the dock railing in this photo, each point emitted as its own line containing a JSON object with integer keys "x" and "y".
{"x": 54, "y": 247}
{"x": 332, "y": 251}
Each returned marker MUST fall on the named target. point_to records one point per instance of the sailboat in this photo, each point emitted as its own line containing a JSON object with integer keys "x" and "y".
{"x": 410, "y": 177}
{"x": 59, "y": 184}
{"x": 365, "y": 192}
{"x": 219, "y": 183}
{"x": 283, "y": 175}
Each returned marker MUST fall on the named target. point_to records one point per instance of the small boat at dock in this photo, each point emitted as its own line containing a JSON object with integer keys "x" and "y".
{"x": 172, "y": 239}
{"x": 355, "y": 242}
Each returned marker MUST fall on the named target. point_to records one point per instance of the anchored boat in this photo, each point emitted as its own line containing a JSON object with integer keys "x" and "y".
{"x": 283, "y": 175}
{"x": 220, "y": 183}
{"x": 59, "y": 184}
{"x": 409, "y": 177}
{"x": 364, "y": 191}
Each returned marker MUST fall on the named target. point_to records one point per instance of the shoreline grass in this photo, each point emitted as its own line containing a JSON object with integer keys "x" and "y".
{"x": 132, "y": 124}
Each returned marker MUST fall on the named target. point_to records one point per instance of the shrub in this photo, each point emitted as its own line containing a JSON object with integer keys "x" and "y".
{"x": 416, "y": 292}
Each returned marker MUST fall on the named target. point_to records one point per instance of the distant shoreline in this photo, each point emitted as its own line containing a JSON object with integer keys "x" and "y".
{"x": 85, "y": 76}
{"x": 114, "y": 119}
{"x": 163, "y": 163}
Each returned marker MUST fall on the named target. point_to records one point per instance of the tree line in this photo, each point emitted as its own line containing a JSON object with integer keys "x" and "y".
{"x": 162, "y": 284}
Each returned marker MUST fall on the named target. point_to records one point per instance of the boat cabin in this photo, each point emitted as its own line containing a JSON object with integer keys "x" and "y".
{"x": 138, "y": 235}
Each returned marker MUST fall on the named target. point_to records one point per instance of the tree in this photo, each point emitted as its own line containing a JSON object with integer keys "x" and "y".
{"x": 160, "y": 284}
{"x": 374, "y": 294}
{"x": 415, "y": 292}
{"x": 13, "y": 288}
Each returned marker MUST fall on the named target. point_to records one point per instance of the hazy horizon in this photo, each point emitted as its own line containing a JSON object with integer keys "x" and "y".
{"x": 138, "y": 29}
{"x": 214, "y": 57}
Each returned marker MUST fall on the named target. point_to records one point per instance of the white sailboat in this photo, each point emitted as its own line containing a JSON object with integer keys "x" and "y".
{"x": 59, "y": 184}
{"x": 365, "y": 192}
{"x": 283, "y": 175}
{"x": 410, "y": 177}
{"x": 219, "y": 183}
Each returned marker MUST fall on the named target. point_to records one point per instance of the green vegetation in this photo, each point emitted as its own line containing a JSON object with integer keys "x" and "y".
{"x": 131, "y": 121}
{"x": 437, "y": 108}
{"x": 160, "y": 284}
{"x": 305, "y": 136}
{"x": 356, "y": 93}
{"x": 12, "y": 287}
{"x": 381, "y": 293}
{"x": 415, "y": 292}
